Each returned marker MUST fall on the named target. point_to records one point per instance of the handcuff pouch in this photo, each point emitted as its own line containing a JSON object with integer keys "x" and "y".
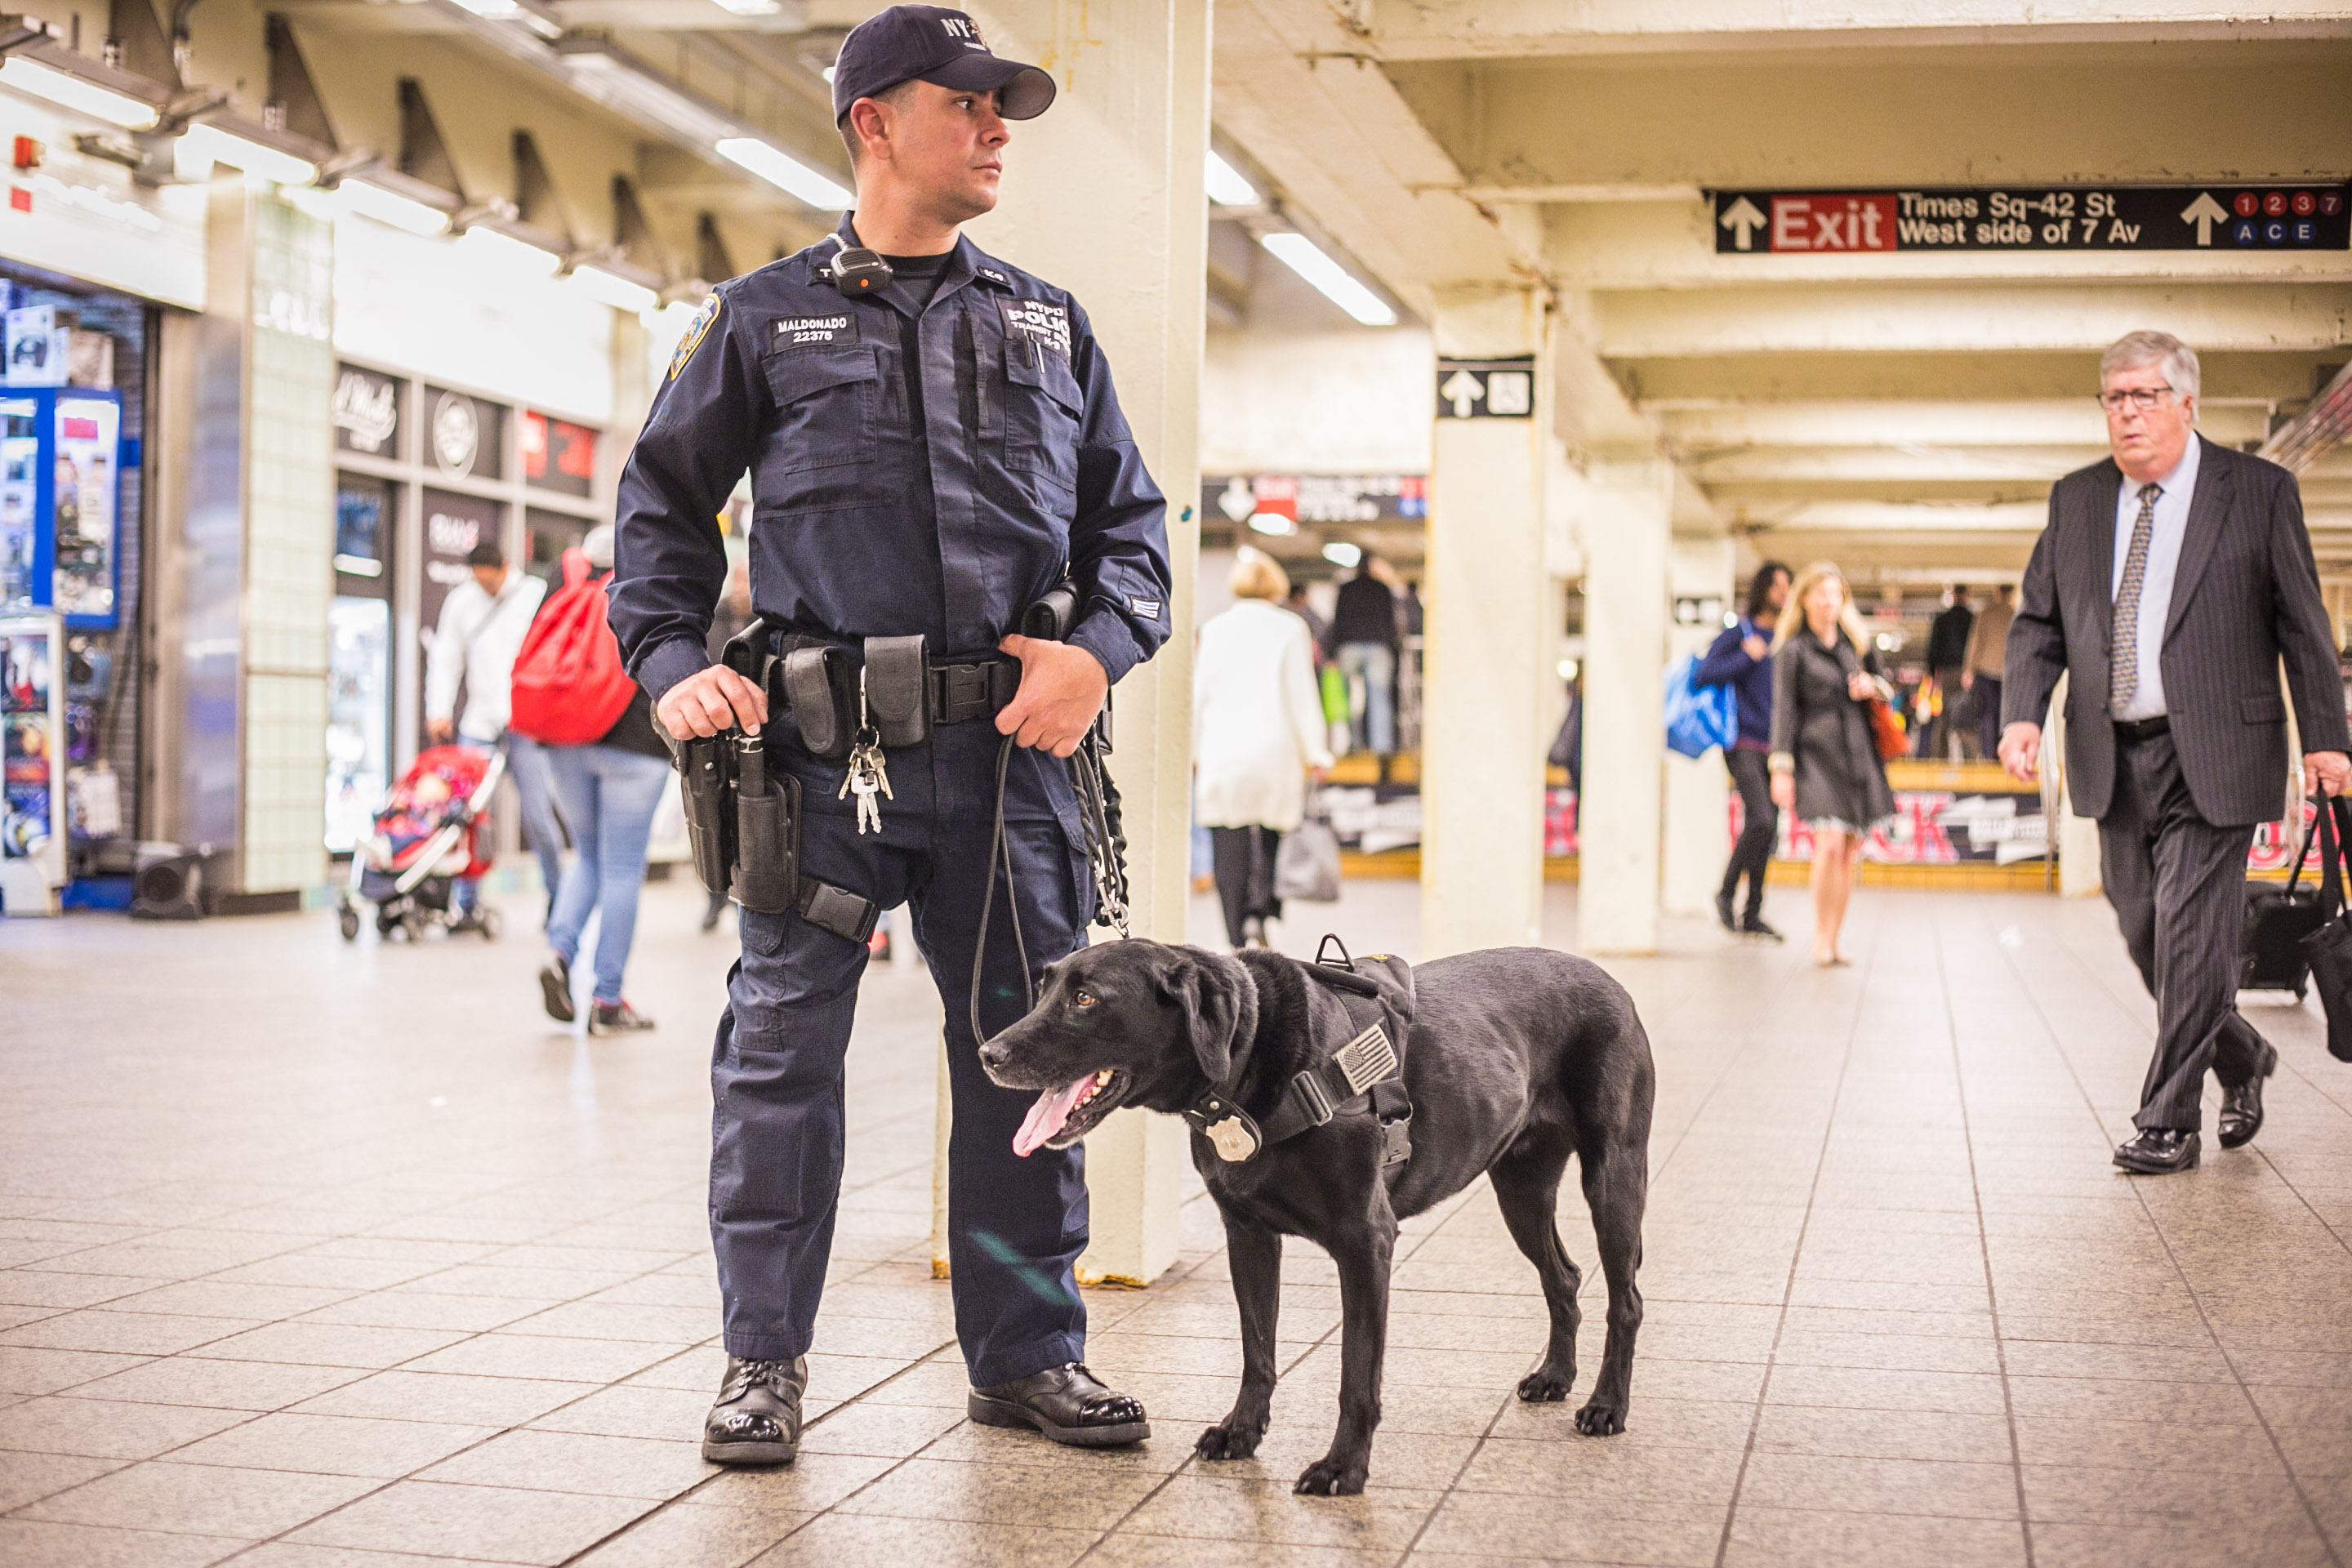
{"x": 817, "y": 688}
{"x": 898, "y": 691}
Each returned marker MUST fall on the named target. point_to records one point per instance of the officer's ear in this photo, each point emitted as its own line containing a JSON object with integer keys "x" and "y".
{"x": 1204, "y": 998}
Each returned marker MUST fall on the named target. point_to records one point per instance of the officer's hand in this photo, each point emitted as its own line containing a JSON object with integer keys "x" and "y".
{"x": 438, "y": 730}
{"x": 1062, "y": 689}
{"x": 712, "y": 700}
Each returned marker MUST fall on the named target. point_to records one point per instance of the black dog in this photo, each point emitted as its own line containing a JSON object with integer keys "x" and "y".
{"x": 1517, "y": 1058}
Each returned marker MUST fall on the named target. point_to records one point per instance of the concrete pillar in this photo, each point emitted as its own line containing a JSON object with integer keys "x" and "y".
{"x": 1130, "y": 128}
{"x": 1696, "y": 815}
{"x": 1490, "y": 691}
{"x": 242, "y": 563}
{"x": 1625, "y": 622}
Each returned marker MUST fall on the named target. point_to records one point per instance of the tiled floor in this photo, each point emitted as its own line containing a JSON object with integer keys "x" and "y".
{"x": 313, "y": 1255}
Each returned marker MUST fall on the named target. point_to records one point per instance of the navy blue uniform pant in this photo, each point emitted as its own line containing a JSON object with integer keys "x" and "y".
{"x": 1015, "y": 1225}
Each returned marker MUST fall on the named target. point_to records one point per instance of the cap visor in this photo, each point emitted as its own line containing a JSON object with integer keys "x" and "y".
{"x": 1023, "y": 92}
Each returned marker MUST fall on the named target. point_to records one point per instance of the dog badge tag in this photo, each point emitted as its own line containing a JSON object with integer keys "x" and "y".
{"x": 1233, "y": 1138}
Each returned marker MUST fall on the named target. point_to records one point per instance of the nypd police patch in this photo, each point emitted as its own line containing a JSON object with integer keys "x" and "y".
{"x": 692, "y": 338}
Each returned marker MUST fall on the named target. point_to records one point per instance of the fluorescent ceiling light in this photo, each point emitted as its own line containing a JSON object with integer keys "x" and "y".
{"x": 496, "y": 10}
{"x": 787, "y": 173}
{"x": 751, "y": 7}
{"x": 506, "y": 251}
{"x": 58, "y": 86}
{"x": 217, "y": 145}
{"x": 614, "y": 289}
{"x": 1273, "y": 523}
{"x": 1227, "y": 188}
{"x": 1339, "y": 552}
{"x": 617, "y": 82}
{"x": 1299, "y": 254}
{"x": 374, "y": 201}
{"x": 827, "y": 74}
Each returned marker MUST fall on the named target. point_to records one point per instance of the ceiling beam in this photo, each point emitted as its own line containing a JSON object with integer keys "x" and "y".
{"x": 1508, "y": 29}
{"x": 2043, "y": 422}
{"x": 1885, "y": 119}
{"x": 1893, "y": 319}
{"x": 1715, "y": 378}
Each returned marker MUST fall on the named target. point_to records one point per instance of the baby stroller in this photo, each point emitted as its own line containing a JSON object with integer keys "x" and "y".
{"x": 428, "y": 833}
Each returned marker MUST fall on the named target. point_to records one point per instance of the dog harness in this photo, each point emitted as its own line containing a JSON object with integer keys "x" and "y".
{"x": 1368, "y": 1068}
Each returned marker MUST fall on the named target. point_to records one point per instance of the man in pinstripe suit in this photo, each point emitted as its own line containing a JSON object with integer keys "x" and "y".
{"x": 2171, "y": 583}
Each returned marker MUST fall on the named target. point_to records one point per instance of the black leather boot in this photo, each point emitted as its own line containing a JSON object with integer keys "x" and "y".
{"x": 1067, "y": 1404}
{"x": 757, "y": 1420}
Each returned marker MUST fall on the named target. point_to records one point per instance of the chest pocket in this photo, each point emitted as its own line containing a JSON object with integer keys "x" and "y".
{"x": 1044, "y": 411}
{"x": 827, "y": 402}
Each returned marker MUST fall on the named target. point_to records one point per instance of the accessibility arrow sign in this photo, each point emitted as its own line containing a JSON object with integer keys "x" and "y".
{"x": 1464, "y": 390}
{"x": 2205, "y": 211}
{"x": 1743, "y": 219}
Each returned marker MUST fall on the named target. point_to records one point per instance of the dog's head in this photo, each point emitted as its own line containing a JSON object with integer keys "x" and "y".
{"x": 1122, "y": 1023}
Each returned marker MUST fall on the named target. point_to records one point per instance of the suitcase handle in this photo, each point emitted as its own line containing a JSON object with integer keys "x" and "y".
{"x": 2335, "y": 827}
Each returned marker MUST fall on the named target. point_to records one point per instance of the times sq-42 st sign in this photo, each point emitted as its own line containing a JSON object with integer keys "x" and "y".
{"x": 2069, "y": 217}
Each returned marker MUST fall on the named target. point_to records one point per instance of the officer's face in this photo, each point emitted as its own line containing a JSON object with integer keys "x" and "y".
{"x": 949, "y": 145}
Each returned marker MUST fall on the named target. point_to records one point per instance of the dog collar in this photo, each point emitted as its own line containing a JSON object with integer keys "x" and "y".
{"x": 1366, "y": 1065}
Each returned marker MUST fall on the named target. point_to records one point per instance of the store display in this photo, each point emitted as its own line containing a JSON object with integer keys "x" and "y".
{"x": 61, "y": 478}
{"x": 32, "y": 764}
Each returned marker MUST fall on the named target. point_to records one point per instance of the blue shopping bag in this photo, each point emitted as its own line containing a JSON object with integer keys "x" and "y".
{"x": 1699, "y": 718}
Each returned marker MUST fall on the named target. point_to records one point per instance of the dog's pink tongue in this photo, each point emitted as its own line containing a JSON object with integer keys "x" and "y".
{"x": 1045, "y": 1117}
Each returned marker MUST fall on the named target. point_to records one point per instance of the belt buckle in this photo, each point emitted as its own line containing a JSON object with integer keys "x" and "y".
{"x": 962, "y": 691}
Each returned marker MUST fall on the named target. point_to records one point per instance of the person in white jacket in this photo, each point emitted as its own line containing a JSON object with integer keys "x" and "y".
{"x": 480, "y": 631}
{"x": 1257, "y": 732}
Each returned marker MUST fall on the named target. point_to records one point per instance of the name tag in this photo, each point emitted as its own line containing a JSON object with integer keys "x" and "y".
{"x": 805, "y": 331}
{"x": 1039, "y": 321}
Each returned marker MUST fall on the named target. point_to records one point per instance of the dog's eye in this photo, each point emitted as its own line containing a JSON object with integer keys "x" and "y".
{"x": 1082, "y": 998}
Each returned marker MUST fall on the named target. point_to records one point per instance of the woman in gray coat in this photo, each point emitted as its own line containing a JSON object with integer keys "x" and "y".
{"x": 1825, "y": 759}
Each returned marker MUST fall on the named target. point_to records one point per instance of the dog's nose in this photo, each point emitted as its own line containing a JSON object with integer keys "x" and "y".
{"x": 993, "y": 1054}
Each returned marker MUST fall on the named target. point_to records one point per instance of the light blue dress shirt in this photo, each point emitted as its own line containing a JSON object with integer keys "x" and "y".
{"x": 2156, "y": 585}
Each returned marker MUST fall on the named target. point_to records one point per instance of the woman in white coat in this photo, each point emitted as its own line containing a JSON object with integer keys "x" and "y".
{"x": 1258, "y": 730}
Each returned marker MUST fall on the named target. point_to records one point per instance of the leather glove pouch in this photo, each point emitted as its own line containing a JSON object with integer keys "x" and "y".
{"x": 821, "y": 692}
{"x": 898, "y": 691}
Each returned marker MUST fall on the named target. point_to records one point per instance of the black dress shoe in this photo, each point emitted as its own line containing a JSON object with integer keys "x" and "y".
{"x": 1723, "y": 912}
{"x": 1067, "y": 1404}
{"x": 1754, "y": 926}
{"x": 2241, "y": 1107}
{"x": 2158, "y": 1151}
{"x": 757, "y": 1420}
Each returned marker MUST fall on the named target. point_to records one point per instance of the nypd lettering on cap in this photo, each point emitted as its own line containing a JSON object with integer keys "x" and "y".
{"x": 808, "y": 331}
{"x": 1040, "y": 321}
{"x": 964, "y": 31}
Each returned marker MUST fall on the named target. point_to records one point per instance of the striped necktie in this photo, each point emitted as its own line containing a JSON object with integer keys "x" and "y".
{"x": 2122, "y": 662}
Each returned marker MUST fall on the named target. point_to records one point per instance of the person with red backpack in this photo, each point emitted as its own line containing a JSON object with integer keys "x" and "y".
{"x": 596, "y": 728}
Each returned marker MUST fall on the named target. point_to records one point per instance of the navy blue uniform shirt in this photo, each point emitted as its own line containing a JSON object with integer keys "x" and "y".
{"x": 915, "y": 467}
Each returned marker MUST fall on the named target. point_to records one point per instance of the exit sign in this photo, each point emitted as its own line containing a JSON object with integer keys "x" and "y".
{"x": 2039, "y": 217}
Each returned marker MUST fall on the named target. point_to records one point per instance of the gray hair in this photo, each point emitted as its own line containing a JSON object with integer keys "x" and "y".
{"x": 2135, "y": 349}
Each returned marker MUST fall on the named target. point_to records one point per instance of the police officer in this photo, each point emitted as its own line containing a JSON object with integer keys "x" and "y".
{"x": 931, "y": 452}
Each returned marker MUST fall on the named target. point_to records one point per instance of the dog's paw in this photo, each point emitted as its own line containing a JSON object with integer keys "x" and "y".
{"x": 1545, "y": 1387}
{"x": 1601, "y": 1420}
{"x": 1226, "y": 1442}
{"x": 1330, "y": 1478}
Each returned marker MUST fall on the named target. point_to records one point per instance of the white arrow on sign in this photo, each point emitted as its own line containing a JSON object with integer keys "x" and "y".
{"x": 1743, "y": 220}
{"x": 1462, "y": 389}
{"x": 2205, "y": 211}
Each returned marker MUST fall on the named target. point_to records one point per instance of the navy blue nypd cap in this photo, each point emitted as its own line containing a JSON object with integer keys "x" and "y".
{"x": 938, "y": 46}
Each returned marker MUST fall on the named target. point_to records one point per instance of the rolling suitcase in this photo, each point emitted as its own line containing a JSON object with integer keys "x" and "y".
{"x": 2271, "y": 954}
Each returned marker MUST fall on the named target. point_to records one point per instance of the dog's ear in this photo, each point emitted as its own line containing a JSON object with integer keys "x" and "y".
{"x": 1205, "y": 998}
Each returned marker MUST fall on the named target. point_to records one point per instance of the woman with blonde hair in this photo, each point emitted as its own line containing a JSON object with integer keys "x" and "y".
{"x": 1825, "y": 759}
{"x": 1258, "y": 730}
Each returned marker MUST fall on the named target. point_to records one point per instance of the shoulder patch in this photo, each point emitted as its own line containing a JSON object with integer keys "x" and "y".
{"x": 692, "y": 338}
{"x": 810, "y": 332}
{"x": 1039, "y": 321}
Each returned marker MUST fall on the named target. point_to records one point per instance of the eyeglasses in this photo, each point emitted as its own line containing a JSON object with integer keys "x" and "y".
{"x": 2140, "y": 398}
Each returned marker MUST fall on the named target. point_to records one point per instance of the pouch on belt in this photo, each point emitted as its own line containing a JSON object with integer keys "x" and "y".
{"x": 767, "y": 832}
{"x": 898, "y": 691}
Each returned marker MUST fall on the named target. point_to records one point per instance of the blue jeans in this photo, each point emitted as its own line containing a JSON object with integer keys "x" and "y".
{"x": 527, "y": 765}
{"x": 1374, "y": 664}
{"x": 608, "y": 796}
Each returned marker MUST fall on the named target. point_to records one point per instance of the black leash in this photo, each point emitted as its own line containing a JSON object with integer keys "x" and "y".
{"x": 1105, "y": 850}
